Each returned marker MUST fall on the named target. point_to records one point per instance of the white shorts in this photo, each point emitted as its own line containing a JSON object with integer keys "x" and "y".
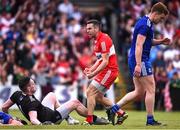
{"x": 100, "y": 87}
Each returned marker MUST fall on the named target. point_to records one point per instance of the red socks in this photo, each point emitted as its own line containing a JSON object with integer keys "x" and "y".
{"x": 89, "y": 118}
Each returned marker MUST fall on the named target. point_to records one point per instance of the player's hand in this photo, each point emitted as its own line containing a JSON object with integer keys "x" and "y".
{"x": 137, "y": 71}
{"x": 87, "y": 70}
{"x": 166, "y": 41}
{"x": 90, "y": 75}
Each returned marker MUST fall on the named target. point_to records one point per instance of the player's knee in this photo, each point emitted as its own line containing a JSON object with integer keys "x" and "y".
{"x": 151, "y": 91}
{"x": 138, "y": 93}
{"x": 140, "y": 96}
{"x": 99, "y": 99}
{"x": 52, "y": 95}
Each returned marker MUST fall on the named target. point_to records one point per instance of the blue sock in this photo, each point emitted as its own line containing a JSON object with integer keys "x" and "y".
{"x": 115, "y": 108}
{"x": 150, "y": 119}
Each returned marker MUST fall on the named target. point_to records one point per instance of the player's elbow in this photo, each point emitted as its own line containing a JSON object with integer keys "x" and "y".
{"x": 5, "y": 109}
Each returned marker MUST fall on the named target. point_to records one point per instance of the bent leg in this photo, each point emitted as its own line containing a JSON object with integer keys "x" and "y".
{"x": 103, "y": 100}
{"x": 139, "y": 91}
{"x": 66, "y": 108}
{"x": 51, "y": 101}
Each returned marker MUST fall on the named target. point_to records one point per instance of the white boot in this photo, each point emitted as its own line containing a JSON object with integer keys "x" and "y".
{"x": 72, "y": 121}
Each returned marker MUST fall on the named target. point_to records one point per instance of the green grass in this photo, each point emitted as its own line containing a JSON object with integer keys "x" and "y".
{"x": 135, "y": 121}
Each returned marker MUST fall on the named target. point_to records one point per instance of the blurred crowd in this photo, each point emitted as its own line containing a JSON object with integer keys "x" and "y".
{"x": 47, "y": 40}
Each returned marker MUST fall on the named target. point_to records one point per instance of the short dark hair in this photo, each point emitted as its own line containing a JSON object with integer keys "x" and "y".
{"x": 95, "y": 22}
{"x": 160, "y": 8}
{"x": 23, "y": 82}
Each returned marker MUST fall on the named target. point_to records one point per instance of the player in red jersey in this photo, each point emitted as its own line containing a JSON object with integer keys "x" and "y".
{"x": 103, "y": 72}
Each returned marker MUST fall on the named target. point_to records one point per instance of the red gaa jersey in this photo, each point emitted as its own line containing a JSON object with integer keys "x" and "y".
{"x": 103, "y": 44}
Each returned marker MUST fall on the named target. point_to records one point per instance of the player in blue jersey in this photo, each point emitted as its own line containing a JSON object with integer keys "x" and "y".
{"x": 6, "y": 119}
{"x": 139, "y": 64}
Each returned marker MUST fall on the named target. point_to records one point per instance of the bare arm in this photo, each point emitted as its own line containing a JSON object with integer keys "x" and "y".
{"x": 13, "y": 2}
{"x": 165, "y": 41}
{"x": 139, "y": 47}
{"x": 77, "y": 54}
{"x": 18, "y": 13}
{"x": 95, "y": 65}
{"x": 7, "y": 105}
{"x": 138, "y": 54}
{"x": 33, "y": 118}
{"x": 92, "y": 68}
{"x": 95, "y": 69}
{"x": 104, "y": 63}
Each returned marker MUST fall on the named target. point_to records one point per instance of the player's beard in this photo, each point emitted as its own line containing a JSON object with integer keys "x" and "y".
{"x": 33, "y": 90}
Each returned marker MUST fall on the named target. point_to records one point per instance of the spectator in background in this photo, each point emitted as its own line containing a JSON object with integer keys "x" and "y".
{"x": 138, "y": 7}
{"x": 161, "y": 79}
{"x": 7, "y": 20}
{"x": 168, "y": 30}
{"x": 66, "y": 7}
{"x": 77, "y": 14}
{"x": 175, "y": 91}
{"x": 7, "y": 5}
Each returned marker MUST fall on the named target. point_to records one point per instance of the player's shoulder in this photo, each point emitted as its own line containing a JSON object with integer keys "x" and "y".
{"x": 105, "y": 37}
{"x": 1, "y": 113}
{"x": 17, "y": 93}
{"x": 144, "y": 21}
{"x": 15, "y": 96}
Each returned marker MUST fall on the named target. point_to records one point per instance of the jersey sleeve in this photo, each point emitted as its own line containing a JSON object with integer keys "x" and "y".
{"x": 105, "y": 44}
{"x": 143, "y": 30}
{"x": 14, "y": 97}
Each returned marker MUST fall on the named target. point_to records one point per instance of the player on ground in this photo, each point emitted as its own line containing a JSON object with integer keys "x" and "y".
{"x": 49, "y": 110}
{"x": 103, "y": 72}
{"x": 6, "y": 119}
{"x": 139, "y": 64}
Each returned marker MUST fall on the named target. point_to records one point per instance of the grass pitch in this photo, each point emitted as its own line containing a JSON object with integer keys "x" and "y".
{"x": 135, "y": 121}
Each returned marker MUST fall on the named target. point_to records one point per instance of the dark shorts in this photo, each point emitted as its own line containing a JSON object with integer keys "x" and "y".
{"x": 47, "y": 114}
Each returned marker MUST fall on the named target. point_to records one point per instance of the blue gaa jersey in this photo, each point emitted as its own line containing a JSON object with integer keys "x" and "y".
{"x": 144, "y": 27}
{"x": 4, "y": 118}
